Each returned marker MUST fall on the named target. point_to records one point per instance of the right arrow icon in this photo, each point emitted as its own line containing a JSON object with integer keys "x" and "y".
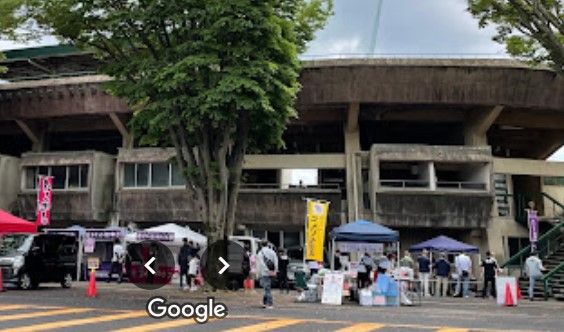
{"x": 225, "y": 265}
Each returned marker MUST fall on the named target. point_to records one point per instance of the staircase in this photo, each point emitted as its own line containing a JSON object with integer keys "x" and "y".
{"x": 550, "y": 247}
{"x": 555, "y": 284}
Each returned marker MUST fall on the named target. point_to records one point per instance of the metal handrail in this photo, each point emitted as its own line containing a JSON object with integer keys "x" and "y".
{"x": 521, "y": 200}
{"x": 404, "y": 183}
{"x": 543, "y": 243}
{"x": 462, "y": 184}
{"x": 547, "y": 277}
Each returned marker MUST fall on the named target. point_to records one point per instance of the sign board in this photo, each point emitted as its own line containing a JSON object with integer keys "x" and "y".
{"x": 360, "y": 247}
{"x": 333, "y": 288}
{"x": 44, "y": 200}
{"x": 533, "y": 223}
{"x": 155, "y": 236}
{"x": 315, "y": 229}
{"x": 89, "y": 244}
{"x": 93, "y": 263}
{"x": 500, "y": 285}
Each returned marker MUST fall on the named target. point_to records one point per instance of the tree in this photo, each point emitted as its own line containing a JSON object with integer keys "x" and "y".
{"x": 531, "y": 29}
{"x": 215, "y": 78}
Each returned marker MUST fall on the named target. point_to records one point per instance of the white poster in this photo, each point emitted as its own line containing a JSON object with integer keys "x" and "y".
{"x": 332, "y": 289}
{"x": 500, "y": 286}
{"x": 89, "y": 244}
{"x": 360, "y": 247}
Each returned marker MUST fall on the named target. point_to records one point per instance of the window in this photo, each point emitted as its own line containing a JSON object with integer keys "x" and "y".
{"x": 553, "y": 180}
{"x": 177, "y": 177}
{"x": 160, "y": 175}
{"x": 154, "y": 175}
{"x": 64, "y": 177}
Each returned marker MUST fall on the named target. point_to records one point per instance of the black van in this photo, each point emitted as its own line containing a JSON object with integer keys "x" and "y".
{"x": 27, "y": 260}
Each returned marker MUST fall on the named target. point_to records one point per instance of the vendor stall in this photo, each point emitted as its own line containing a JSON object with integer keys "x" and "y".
{"x": 12, "y": 224}
{"x": 94, "y": 242}
{"x": 446, "y": 244}
{"x": 364, "y": 236}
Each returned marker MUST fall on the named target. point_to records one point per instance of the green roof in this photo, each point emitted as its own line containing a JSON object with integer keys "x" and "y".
{"x": 41, "y": 52}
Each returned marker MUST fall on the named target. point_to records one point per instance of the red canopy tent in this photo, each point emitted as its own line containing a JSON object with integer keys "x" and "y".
{"x": 13, "y": 224}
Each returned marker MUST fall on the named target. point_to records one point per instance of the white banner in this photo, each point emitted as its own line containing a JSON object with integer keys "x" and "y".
{"x": 360, "y": 247}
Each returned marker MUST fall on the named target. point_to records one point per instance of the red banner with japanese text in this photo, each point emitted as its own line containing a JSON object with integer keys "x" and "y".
{"x": 44, "y": 200}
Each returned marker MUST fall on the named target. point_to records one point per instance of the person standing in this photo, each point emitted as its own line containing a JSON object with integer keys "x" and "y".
{"x": 184, "y": 256}
{"x": 533, "y": 269}
{"x": 463, "y": 267}
{"x": 442, "y": 270}
{"x": 193, "y": 267}
{"x": 489, "y": 272}
{"x": 283, "y": 263}
{"x": 407, "y": 261}
{"x": 267, "y": 265}
{"x": 337, "y": 264}
{"x": 424, "y": 268}
{"x": 118, "y": 257}
{"x": 363, "y": 270}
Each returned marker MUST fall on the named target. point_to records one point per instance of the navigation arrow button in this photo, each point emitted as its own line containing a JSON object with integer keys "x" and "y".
{"x": 225, "y": 265}
{"x": 148, "y": 267}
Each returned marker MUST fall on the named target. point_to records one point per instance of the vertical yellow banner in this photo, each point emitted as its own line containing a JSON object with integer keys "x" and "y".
{"x": 315, "y": 231}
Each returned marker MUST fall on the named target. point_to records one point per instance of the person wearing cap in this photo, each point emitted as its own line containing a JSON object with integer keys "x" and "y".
{"x": 533, "y": 269}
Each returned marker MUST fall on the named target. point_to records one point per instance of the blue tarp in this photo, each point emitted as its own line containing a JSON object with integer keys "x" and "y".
{"x": 364, "y": 231}
{"x": 445, "y": 244}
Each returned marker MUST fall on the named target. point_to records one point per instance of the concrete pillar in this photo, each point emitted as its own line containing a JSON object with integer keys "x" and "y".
{"x": 432, "y": 176}
{"x": 477, "y": 124}
{"x": 352, "y": 145}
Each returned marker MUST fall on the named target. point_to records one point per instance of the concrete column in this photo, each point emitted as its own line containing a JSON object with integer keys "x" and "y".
{"x": 352, "y": 145}
{"x": 477, "y": 124}
{"x": 432, "y": 176}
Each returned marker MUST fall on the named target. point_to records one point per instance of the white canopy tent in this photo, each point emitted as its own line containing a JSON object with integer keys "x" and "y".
{"x": 170, "y": 235}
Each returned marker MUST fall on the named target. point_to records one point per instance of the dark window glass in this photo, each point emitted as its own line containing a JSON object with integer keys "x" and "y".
{"x": 74, "y": 179}
{"x": 30, "y": 177}
{"x": 84, "y": 176}
{"x": 142, "y": 175}
{"x": 43, "y": 170}
{"x": 177, "y": 178}
{"x": 129, "y": 175}
{"x": 159, "y": 175}
{"x": 59, "y": 174}
{"x": 291, "y": 239}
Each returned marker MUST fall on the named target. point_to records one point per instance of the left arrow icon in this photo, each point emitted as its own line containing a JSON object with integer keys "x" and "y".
{"x": 148, "y": 267}
{"x": 225, "y": 265}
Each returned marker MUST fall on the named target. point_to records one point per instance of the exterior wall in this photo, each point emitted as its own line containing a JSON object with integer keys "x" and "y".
{"x": 93, "y": 203}
{"x": 9, "y": 181}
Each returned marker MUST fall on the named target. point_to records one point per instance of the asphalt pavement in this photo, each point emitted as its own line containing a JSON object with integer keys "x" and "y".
{"x": 122, "y": 308}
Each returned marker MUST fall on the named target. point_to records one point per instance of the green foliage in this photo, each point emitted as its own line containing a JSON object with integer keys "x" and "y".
{"x": 530, "y": 29}
{"x": 2, "y": 69}
{"x": 214, "y": 78}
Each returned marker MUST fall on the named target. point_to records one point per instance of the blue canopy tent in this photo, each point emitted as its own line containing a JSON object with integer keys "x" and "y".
{"x": 444, "y": 244}
{"x": 362, "y": 231}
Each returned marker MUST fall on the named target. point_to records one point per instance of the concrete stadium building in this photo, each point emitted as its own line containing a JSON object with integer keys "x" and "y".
{"x": 425, "y": 146}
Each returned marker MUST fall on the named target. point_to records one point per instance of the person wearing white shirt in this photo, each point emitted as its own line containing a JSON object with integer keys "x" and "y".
{"x": 533, "y": 269}
{"x": 118, "y": 257}
{"x": 193, "y": 267}
{"x": 463, "y": 265}
{"x": 267, "y": 266}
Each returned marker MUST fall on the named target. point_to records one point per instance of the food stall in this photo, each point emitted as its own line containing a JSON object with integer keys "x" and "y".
{"x": 93, "y": 242}
{"x": 362, "y": 236}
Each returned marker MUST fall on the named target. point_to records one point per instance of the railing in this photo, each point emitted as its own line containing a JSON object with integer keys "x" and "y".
{"x": 49, "y": 76}
{"x": 405, "y": 183}
{"x": 551, "y": 206}
{"x": 462, "y": 185}
{"x": 547, "y": 278}
{"x": 335, "y": 186}
{"x": 546, "y": 244}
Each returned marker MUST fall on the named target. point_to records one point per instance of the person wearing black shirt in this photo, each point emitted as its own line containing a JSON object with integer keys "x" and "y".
{"x": 424, "y": 267}
{"x": 489, "y": 271}
{"x": 184, "y": 256}
{"x": 283, "y": 262}
{"x": 442, "y": 270}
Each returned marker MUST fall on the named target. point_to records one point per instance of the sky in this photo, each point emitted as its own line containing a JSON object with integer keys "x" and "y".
{"x": 405, "y": 28}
